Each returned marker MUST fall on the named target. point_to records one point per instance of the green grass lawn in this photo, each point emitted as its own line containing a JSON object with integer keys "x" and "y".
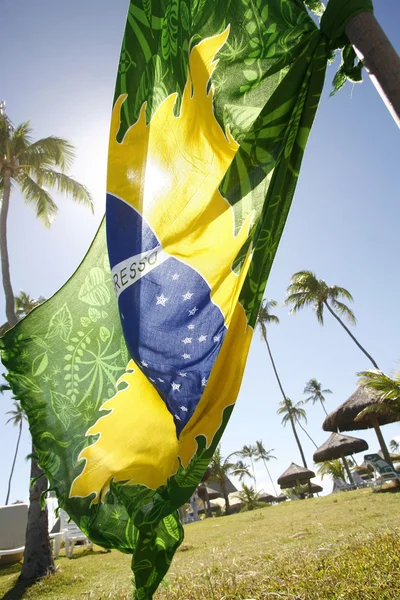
{"x": 344, "y": 546}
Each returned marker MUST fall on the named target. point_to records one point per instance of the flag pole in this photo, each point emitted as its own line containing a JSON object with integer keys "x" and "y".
{"x": 380, "y": 58}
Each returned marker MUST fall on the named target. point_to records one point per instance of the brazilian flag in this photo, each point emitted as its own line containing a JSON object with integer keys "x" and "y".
{"x": 130, "y": 372}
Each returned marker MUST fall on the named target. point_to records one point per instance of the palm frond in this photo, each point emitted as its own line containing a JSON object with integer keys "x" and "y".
{"x": 50, "y": 151}
{"x": 344, "y": 311}
{"x": 335, "y": 292}
{"x": 33, "y": 193}
{"x": 385, "y": 387}
{"x": 319, "y": 311}
{"x": 65, "y": 185}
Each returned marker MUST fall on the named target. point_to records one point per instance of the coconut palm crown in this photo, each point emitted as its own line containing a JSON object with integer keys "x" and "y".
{"x": 305, "y": 290}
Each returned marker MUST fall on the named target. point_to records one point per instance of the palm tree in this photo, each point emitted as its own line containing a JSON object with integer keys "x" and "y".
{"x": 333, "y": 468}
{"x": 24, "y": 304}
{"x": 264, "y": 319}
{"x": 294, "y": 412}
{"x": 265, "y": 456}
{"x": 249, "y": 452}
{"x": 17, "y": 419}
{"x": 314, "y": 388}
{"x": 386, "y": 389}
{"x": 394, "y": 446}
{"x": 242, "y": 471}
{"x": 32, "y": 167}
{"x": 249, "y": 497}
{"x": 306, "y": 289}
{"x": 220, "y": 468}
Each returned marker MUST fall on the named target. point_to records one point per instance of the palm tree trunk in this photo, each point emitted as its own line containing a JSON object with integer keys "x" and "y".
{"x": 254, "y": 475}
{"x": 226, "y": 498}
{"x": 382, "y": 442}
{"x": 38, "y": 557}
{"x": 13, "y": 465}
{"x": 269, "y": 475}
{"x": 346, "y": 466}
{"x": 351, "y": 335}
{"x": 5, "y": 263}
{"x": 322, "y": 404}
{"x": 306, "y": 432}
{"x": 288, "y": 409}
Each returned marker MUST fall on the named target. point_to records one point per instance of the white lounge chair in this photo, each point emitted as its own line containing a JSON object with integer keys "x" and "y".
{"x": 382, "y": 468}
{"x": 13, "y": 522}
{"x": 72, "y": 534}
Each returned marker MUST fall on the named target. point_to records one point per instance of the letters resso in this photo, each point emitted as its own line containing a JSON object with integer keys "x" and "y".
{"x": 128, "y": 274}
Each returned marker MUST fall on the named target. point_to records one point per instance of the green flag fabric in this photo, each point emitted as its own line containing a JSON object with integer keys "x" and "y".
{"x": 129, "y": 373}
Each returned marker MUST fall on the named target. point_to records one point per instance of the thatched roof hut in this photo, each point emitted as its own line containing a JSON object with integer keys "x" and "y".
{"x": 294, "y": 475}
{"x": 338, "y": 446}
{"x": 343, "y": 417}
{"x": 230, "y": 488}
{"x": 212, "y": 494}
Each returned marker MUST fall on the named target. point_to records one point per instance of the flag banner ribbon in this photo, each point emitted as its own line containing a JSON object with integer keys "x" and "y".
{"x": 129, "y": 373}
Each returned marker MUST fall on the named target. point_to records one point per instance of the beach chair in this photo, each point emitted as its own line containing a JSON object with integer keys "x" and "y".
{"x": 358, "y": 480}
{"x": 72, "y": 534}
{"x": 382, "y": 468}
{"x": 339, "y": 485}
{"x": 13, "y": 522}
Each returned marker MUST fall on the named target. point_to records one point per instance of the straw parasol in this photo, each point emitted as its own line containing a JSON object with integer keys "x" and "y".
{"x": 316, "y": 489}
{"x": 281, "y": 498}
{"x": 294, "y": 475}
{"x": 344, "y": 418}
{"x": 267, "y": 498}
{"x": 340, "y": 446}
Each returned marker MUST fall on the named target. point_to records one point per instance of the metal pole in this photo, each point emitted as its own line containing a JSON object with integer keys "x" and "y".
{"x": 380, "y": 58}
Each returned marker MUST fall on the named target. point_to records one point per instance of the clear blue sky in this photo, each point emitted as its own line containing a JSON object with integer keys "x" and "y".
{"x": 58, "y": 70}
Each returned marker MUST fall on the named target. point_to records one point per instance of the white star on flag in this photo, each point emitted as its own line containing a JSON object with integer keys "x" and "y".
{"x": 202, "y": 338}
{"x": 185, "y": 356}
{"x": 187, "y": 340}
{"x": 204, "y": 382}
{"x": 176, "y": 386}
{"x": 177, "y": 418}
{"x": 162, "y": 300}
{"x": 190, "y": 326}
{"x": 217, "y": 338}
{"x": 183, "y": 408}
{"x": 193, "y": 311}
{"x": 144, "y": 363}
{"x": 152, "y": 380}
{"x": 187, "y": 296}
{"x": 175, "y": 276}
{"x": 160, "y": 380}
{"x": 182, "y": 374}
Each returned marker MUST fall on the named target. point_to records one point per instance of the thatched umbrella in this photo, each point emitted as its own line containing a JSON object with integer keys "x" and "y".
{"x": 344, "y": 418}
{"x": 267, "y": 498}
{"x": 316, "y": 489}
{"x": 295, "y": 475}
{"x": 340, "y": 446}
{"x": 281, "y": 498}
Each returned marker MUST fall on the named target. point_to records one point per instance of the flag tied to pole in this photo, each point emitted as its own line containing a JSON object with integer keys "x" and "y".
{"x": 130, "y": 372}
